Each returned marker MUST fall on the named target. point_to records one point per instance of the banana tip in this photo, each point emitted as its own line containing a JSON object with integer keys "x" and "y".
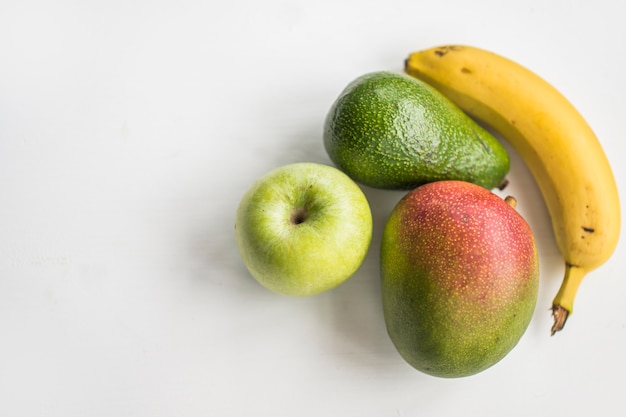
{"x": 560, "y": 315}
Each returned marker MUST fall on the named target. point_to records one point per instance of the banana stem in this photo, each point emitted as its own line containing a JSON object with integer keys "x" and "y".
{"x": 563, "y": 303}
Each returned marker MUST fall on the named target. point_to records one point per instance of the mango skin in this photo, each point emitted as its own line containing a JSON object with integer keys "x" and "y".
{"x": 460, "y": 277}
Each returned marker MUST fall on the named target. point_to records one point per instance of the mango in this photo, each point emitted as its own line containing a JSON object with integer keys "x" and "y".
{"x": 460, "y": 277}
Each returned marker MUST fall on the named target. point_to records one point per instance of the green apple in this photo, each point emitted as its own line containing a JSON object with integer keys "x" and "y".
{"x": 303, "y": 228}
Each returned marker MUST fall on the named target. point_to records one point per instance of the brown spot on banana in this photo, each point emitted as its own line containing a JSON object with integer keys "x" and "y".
{"x": 443, "y": 50}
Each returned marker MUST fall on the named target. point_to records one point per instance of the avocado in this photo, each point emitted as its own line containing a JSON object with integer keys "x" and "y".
{"x": 391, "y": 131}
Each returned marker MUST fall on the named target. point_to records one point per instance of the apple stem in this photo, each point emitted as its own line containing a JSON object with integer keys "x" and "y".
{"x": 298, "y": 215}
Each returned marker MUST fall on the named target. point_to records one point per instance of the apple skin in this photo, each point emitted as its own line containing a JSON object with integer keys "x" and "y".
{"x": 303, "y": 229}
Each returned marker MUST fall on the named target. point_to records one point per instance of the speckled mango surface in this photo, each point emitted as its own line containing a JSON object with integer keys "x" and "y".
{"x": 460, "y": 277}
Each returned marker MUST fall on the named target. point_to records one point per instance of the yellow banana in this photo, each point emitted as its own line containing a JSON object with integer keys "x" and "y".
{"x": 554, "y": 140}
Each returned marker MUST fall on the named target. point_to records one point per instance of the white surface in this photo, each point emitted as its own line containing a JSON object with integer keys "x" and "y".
{"x": 130, "y": 129}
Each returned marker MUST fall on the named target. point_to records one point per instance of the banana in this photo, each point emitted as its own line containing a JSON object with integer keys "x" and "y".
{"x": 554, "y": 140}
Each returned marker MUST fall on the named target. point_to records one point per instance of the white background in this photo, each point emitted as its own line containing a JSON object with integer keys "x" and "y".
{"x": 129, "y": 130}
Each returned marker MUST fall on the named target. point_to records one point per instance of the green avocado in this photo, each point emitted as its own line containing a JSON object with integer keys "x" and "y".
{"x": 391, "y": 131}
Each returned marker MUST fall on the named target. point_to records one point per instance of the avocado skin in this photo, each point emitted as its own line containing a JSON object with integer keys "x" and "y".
{"x": 391, "y": 131}
{"x": 460, "y": 278}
